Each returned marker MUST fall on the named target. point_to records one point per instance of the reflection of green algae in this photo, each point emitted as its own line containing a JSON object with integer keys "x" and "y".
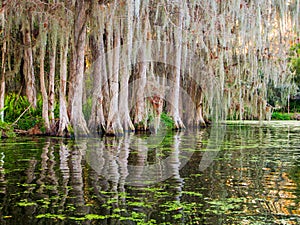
{"x": 172, "y": 206}
{"x": 191, "y": 193}
{"x": 51, "y": 216}
{"x": 63, "y": 217}
{"x": 94, "y": 217}
{"x": 25, "y": 203}
{"x": 177, "y": 216}
{"x": 45, "y": 202}
{"x": 196, "y": 175}
{"x": 77, "y": 218}
{"x": 224, "y": 206}
{"x": 26, "y": 185}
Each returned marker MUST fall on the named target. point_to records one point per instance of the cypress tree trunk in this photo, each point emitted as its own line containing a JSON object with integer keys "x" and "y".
{"x": 140, "y": 117}
{"x": 77, "y": 119}
{"x": 175, "y": 76}
{"x": 28, "y": 65}
{"x": 97, "y": 120}
{"x": 52, "y": 60}
{"x": 125, "y": 72}
{"x": 63, "y": 115}
{"x": 199, "y": 105}
{"x": 113, "y": 123}
{"x": 45, "y": 114}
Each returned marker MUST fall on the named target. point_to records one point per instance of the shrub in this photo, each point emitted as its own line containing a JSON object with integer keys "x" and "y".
{"x": 282, "y": 116}
{"x": 16, "y": 105}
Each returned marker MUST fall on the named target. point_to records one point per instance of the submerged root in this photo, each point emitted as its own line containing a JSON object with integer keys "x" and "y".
{"x": 114, "y": 129}
{"x": 178, "y": 124}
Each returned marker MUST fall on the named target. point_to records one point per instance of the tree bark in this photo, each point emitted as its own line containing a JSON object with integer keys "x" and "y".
{"x": 45, "y": 114}
{"x": 125, "y": 73}
{"x": 77, "y": 119}
{"x": 175, "y": 76}
{"x": 140, "y": 117}
{"x": 114, "y": 126}
{"x": 63, "y": 115}
{"x": 28, "y": 65}
{"x": 97, "y": 121}
{"x": 53, "y": 41}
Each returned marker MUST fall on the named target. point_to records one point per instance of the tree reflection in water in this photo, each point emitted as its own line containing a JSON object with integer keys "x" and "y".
{"x": 2, "y": 174}
{"x": 128, "y": 180}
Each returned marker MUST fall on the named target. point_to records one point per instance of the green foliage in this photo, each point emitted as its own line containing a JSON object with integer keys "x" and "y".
{"x": 87, "y": 108}
{"x": 70, "y": 129}
{"x": 167, "y": 120}
{"x": 6, "y": 130}
{"x": 295, "y": 61}
{"x": 295, "y": 105}
{"x": 16, "y": 105}
{"x": 282, "y": 116}
{"x": 3, "y": 109}
{"x": 279, "y": 94}
{"x": 4, "y": 126}
{"x": 56, "y": 110}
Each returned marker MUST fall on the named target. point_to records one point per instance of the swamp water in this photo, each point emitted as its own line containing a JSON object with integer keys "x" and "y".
{"x": 234, "y": 174}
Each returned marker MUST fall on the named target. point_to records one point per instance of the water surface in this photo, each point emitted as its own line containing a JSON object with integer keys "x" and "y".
{"x": 233, "y": 174}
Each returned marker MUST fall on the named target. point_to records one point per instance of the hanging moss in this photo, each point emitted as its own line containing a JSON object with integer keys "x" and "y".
{"x": 244, "y": 56}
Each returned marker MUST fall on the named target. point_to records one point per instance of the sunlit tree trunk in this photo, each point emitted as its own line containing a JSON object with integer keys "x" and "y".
{"x": 175, "y": 76}
{"x": 125, "y": 73}
{"x": 123, "y": 106}
{"x": 97, "y": 120}
{"x": 113, "y": 123}
{"x": 140, "y": 119}
{"x": 45, "y": 114}
{"x": 140, "y": 116}
{"x": 28, "y": 64}
{"x": 77, "y": 119}
{"x": 52, "y": 60}
{"x": 63, "y": 115}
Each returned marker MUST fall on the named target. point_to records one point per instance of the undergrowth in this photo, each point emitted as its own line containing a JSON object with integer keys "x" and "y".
{"x": 282, "y": 116}
{"x": 16, "y": 105}
{"x": 167, "y": 120}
